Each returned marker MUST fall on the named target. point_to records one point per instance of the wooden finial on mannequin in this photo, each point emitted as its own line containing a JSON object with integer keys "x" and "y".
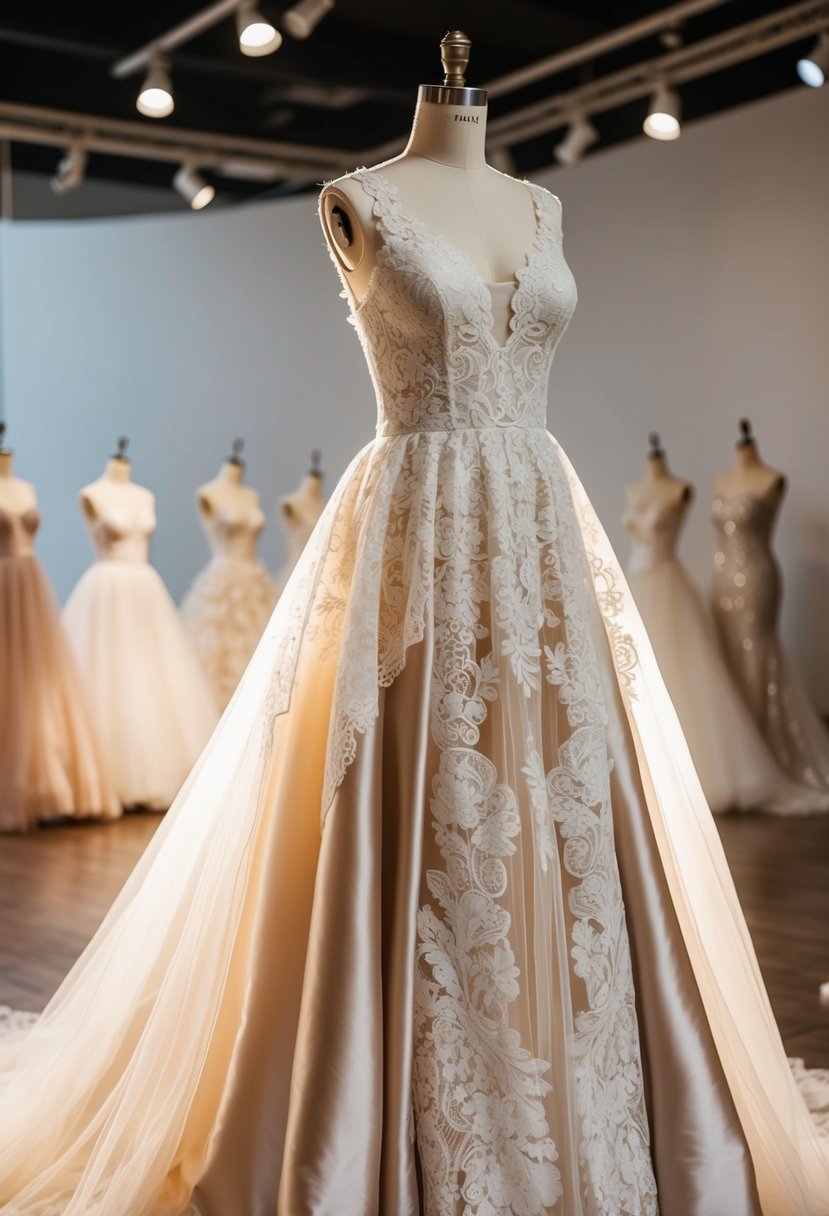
{"x": 655, "y": 451}
{"x": 746, "y": 433}
{"x": 6, "y": 454}
{"x": 118, "y": 467}
{"x": 455, "y": 49}
{"x": 236, "y": 449}
{"x": 315, "y": 469}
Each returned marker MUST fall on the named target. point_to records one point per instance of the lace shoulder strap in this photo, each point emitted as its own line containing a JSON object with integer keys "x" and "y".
{"x": 549, "y": 209}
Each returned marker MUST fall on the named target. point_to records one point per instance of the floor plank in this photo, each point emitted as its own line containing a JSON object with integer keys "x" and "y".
{"x": 56, "y": 886}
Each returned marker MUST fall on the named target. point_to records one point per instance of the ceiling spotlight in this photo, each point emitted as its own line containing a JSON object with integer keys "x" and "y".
{"x": 156, "y": 97}
{"x": 812, "y": 68}
{"x": 257, "y": 36}
{"x": 664, "y": 113}
{"x": 193, "y": 188}
{"x": 302, "y": 19}
{"x": 581, "y": 135}
{"x": 671, "y": 37}
{"x": 71, "y": 169}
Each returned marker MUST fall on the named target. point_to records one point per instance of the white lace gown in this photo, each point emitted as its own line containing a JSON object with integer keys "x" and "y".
{"x": 733, "y": 761}
{"x": 440, "y": 924}
{"x": 228, "y": 605}
{"x": 154, "y": 704}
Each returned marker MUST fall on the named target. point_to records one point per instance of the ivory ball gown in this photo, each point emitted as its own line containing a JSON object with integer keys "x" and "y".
{"x": 440, "y": 924}
{"x": 52, "y": 763}
{"x": 228, "y": 605}
{"x": 154, "y": 704}
{"x": 734, "y": 763}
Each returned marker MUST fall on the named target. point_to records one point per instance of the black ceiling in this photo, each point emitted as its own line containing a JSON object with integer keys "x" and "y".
{"x": 59, "y": 55}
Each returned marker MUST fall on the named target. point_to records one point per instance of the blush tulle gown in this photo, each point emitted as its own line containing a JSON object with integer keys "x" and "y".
{"x": 52, "y": 763}
{"x": 440, "y": 924}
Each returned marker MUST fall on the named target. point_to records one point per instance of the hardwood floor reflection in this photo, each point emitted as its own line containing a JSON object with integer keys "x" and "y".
{"x": 56, "y": 886}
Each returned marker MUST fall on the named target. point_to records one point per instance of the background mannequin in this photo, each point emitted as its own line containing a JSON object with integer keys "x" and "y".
{"x": 228, "y": 606}
{"x": 154, "y": 704}
{"x": 733, "y": 761}
{"x": 747, "y": 594}
{"x": 51, "y": 759}
{"x": 298, "y": 515}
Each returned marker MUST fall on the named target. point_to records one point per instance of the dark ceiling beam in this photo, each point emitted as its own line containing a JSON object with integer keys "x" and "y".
{"x": 271, "y": 71}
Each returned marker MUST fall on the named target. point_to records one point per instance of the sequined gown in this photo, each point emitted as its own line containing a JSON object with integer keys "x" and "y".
{"x": 734, "y": 762}
{"x": 228, "y": 605}
{"x": 747, "y": 591}
{"x": 440, "y": 924}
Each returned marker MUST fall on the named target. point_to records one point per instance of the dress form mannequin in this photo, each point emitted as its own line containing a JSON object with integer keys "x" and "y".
{"x": 228, "y": 605}
{"x": 749, "y": 475}
{"x": 115, "y": 489}
{"x": 441, "y": 177}
{"x": 298, "y": 515}
{"x": 658, "y": 487}
{"x": 227, "y": 493}
{"x": 16, "y": 496}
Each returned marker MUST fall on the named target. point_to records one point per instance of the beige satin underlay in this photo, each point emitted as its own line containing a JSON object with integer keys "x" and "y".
{"x": 317, "y": 1118}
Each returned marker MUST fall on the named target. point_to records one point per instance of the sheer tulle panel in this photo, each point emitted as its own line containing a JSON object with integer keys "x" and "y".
{"x": 791, "y": 1162}
{"x": 153, "y": 1008}
{"x": 155, "y": 707}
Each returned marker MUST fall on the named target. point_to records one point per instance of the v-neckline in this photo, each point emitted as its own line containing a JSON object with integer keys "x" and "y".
{"x": 484, "y": 284}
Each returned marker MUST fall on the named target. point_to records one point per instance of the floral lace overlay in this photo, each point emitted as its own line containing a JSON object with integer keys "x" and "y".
{"x": 459, "y": 517}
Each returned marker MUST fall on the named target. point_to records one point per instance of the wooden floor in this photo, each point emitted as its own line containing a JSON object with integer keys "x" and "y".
{"x": 56, "y": 885}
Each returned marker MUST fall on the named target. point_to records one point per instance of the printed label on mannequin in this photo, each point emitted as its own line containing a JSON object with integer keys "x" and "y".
{"x": 466, "y": 118}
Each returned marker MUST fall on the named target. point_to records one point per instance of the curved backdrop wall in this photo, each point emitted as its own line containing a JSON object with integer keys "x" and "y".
{"x": 702, "y": 270}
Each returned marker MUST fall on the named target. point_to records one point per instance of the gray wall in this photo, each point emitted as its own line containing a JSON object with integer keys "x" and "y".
{"x": 702, "y": 270}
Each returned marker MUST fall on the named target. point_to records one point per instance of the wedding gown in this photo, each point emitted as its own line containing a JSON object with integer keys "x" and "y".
{"x": 51, "y": 761}
{"x": 747, "y": 592}
{"x": 440, "y": 924}
{"x": 733, "y": 761}
{"x": 155, "y": 707}
{"x": 228, "y": 605}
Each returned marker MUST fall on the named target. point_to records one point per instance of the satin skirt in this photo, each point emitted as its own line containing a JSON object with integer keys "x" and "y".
{"x": 439, "y": 923}
{"x": 326, "y": 1123}
{"x": 52, "y": 763}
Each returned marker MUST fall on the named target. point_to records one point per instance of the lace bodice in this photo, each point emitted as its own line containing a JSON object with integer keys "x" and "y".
{"x": 122, "y": 535}
{"x": 654, "y": 532}
{"x": 429, "y": 324}
{"x": 17, "y": 532}
{"x": 233, "y": 534}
